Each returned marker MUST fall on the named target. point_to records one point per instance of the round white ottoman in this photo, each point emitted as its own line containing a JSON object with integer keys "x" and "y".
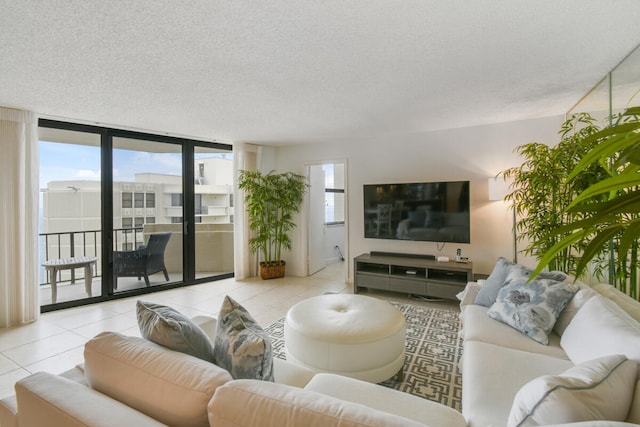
{"x": 351, "y": 335}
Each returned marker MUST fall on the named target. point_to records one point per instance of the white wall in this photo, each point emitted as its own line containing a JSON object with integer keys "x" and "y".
{"x": 333, "y": 236}
{"x": 473, "y": 154}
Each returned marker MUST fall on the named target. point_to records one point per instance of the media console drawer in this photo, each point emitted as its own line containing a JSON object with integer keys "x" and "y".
{"x": 437, "y": 290}
{"x": 411, "y": 275}
{"x": 409, "y": 286}
{"x": 373, "y": 281}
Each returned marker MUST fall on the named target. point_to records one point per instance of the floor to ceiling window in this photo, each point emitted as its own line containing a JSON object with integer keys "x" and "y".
{"x": 213, "y": 208}
{"x": 147, "y": 213}
{"x": 70, "y": 215}
{"x": 125, "y": 213}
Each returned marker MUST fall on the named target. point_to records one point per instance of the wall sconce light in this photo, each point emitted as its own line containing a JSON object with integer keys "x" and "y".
{"x": 499, "y": 187}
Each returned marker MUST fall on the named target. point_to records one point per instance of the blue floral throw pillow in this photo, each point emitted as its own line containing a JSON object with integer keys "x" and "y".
{"x": 241, "y": 345}
{"x": 505, "y": 272}
{"x": 532, "y": 308}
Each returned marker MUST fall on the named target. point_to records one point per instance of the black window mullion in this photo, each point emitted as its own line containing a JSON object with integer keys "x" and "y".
{"x": 188, "y": 212}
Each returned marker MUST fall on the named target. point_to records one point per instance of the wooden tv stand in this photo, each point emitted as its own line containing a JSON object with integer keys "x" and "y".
{"x": 412, "y": 275}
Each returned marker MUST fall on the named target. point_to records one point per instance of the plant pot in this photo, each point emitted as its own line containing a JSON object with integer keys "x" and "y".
{"x": 272, "y": 270}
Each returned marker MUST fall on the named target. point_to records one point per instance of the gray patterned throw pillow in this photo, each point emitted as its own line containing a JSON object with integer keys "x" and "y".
{"x": 241, "y": 345}
{"x": 168, "y": 327}
{"x": 532, "y": 308}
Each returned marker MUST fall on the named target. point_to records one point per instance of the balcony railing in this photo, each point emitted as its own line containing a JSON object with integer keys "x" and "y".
{"x": 71, "y": 244}
{"x": 213, "y": 248}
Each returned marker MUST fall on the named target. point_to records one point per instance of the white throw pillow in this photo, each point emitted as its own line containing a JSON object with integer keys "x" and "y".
{"x": 600, "y": 389}
{"x": 601, "y": 328}
{"x": 575, "y": 304}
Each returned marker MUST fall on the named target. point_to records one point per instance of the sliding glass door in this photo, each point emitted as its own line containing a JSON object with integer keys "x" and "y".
{"x": 147, "y": 213}
{"x": 213, "y": 209}
{"x": 125, "y": 213}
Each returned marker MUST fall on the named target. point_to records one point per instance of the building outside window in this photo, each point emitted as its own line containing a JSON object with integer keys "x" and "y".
{"x": 138, "y": 200}
{"x": 127, "y": 200}
{"x": 334, "y": 193}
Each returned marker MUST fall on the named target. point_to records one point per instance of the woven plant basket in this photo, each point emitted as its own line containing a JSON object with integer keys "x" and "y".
{"x": 272, "y": 270}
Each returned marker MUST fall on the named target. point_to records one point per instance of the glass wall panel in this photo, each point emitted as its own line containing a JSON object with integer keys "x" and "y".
{"x": 70, "y": 215}
{"x": 625, "y": 83}
{"x": 147, "y": 213}
{"x": 619, "y": 90}
{"x": 596, "y": 103}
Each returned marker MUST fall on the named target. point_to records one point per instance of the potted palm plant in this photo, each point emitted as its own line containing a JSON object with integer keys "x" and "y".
{"x": 272, "y": 200}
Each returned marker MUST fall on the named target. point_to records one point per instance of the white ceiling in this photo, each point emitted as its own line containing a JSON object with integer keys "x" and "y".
{"x": 288, "y": 71}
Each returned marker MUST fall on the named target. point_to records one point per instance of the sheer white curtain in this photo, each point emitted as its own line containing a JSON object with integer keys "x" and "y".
{"x": 18, "y": 217}
{"x": 245, "y": 157}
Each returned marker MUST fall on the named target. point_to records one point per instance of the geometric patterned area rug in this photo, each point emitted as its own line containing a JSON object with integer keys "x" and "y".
{"x": 432, "y": 353}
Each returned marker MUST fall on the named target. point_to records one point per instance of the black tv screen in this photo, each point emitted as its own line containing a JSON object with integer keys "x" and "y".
{"x": 425, "y": 211}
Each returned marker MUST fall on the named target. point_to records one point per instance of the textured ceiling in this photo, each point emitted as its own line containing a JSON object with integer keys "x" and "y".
{"x": 280, "y": 72}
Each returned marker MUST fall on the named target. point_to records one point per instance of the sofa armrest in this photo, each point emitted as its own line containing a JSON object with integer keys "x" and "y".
{"x": 387, "y": 400}
{"x": 290, "y": 373}
{"x": 207, "y": 324}
{"x": 9, "y": 412}
{"x": 468, "y": 294}
{"x": 49, "y": 400}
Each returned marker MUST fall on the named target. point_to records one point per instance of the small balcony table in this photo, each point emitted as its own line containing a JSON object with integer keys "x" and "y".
{"x": 54, "y": 265}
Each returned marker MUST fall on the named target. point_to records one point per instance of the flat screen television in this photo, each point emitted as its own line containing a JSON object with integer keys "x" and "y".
{"x": 424, "y": 211}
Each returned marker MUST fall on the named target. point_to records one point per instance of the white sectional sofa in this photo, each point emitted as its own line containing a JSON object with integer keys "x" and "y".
{"x": 127, "y": 381}
{"x": 504, "y": 370}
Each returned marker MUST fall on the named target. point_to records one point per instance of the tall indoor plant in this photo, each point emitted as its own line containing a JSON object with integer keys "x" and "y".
{"x": 272, "y": 200}
{"x": 542, "y": 190}
{"x": 607, "y": 213}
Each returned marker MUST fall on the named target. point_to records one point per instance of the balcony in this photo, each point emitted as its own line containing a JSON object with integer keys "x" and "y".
{"x": 214, "y": 256}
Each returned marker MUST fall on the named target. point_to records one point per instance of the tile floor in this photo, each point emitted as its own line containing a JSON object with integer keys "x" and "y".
{"x": 55, "y": 342}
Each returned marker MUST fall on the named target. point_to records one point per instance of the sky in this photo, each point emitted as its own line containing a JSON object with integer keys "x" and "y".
{"x": 81, "y": 162}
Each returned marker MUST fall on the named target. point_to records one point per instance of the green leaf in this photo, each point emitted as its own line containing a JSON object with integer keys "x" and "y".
{"x": 607, "y": 148}
{"x": 625, "y": 203}
{"x": 555, "y": 249}
{"x": 595, "y": 246}
{"x": 630, "y": 236}
{"x": 615, "y": 183}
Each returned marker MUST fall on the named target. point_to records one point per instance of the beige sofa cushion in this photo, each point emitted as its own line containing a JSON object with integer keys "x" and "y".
{"x": 478, "y": 326}
{"x": 169, "y": 386}
{"x": 492, "y": 375}
{"x": 278, "y": 405}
